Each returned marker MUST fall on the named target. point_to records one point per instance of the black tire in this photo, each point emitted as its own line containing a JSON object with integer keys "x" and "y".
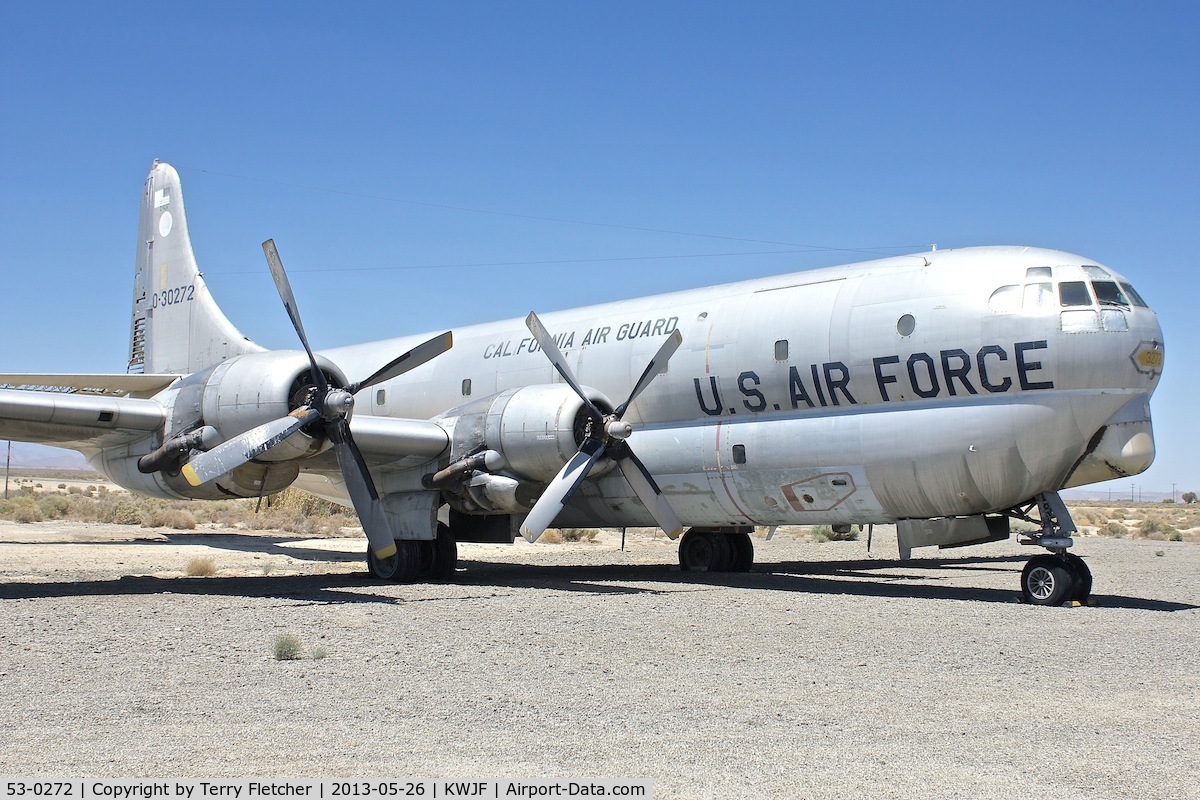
{"x": 439, "y": 557}
{"x": 1083, "y": 577}
{"x": 742, "y": 548}
{"x": 401, "y": 567}
{"x": 705, "y": 550}
{"x": 1047, "y": 581}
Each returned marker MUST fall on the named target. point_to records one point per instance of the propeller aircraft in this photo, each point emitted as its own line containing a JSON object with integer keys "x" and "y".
{"x": 948, "y": 393}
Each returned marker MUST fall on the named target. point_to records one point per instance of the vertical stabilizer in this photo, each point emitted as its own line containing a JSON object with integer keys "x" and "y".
{"x": 177, "y": 326}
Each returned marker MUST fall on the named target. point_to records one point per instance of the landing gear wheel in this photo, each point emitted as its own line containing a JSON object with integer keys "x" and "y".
{"x": 705, "y": 550}
{"x": 1047, "y": 581}
{"x": 401, "y": 567}
{"x": 743, "y": 552}
{"x": 439, "y": 557}
{"x": 1083, "y": 577}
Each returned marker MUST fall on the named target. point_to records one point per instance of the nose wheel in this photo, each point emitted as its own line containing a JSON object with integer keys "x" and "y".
{"x": 1058, "y": 577}
{"x": 1052, "y": 580}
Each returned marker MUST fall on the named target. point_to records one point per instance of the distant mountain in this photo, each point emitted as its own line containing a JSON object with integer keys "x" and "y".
{"x": 40, "y": 456}
{"x": 1116, "y": 495}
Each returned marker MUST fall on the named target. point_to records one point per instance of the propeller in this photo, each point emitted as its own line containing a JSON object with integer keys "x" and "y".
{"x": 327, "y": 406}
{"x": 606, "y": 434}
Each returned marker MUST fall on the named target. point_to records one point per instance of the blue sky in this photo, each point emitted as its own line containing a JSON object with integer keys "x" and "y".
{"x": 376, "y": 141}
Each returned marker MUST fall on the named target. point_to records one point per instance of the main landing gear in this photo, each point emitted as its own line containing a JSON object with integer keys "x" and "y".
{"x": 716, "y": 550}
{"x": 1058, "y": 577}
{"x": 417, "y": 560}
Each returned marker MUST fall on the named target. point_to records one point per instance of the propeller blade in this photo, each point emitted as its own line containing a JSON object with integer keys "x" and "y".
{"x": 230, "y": 455}
{"x": 284, "y": 286}
{"x": 548, "y": 506}
{"x": 653, "y": 369}
{"x": 362, "y": 491}
{"x": 651, "y": 496}
{"x": 410, "y": 360}
{"x": 546, "y": 341}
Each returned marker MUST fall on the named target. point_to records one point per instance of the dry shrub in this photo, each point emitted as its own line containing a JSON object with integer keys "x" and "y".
{"x": 54, "y": 506}
{"x": 1154, "y": 528}
{"x": 120, "y": 512}
{"x": 1091, "y": 516}
{"x": 820, "y": 533}
{"x": 1113, "y": 528}
{"x": 201, "y": 567}
{"x": 550, "y": 537}
{"x": 27, "y": 512}
{"x": 286, "y": 647}
{"x": 176, "y": 518}
{"x": 74, "y": 490}
{"x": 578, "y": 534}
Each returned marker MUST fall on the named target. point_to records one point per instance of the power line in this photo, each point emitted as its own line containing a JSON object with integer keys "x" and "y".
{"x": 516, "y": 263}
{"x": 468, "y": 209}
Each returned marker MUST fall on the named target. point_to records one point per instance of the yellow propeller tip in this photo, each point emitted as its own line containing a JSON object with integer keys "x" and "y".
{"x": 190, "y": 473}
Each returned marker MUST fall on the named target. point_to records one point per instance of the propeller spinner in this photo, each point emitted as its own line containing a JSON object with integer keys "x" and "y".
{"x": 606, "y": 435}
{"x": 329, "y": 407}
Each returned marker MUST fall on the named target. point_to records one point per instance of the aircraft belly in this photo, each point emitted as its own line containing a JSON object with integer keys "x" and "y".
{"x": 917, "y": 462}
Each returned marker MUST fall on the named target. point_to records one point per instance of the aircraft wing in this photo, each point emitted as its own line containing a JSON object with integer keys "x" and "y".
{"x": 120, "y": 385}
{"x": 79, "y": 421}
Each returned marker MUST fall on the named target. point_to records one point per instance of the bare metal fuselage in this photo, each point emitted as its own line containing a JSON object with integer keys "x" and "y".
{"x": 945, "y": 384}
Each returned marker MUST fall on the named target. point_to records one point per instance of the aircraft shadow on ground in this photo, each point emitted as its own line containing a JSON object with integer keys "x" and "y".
{"x": 917, "y": 579}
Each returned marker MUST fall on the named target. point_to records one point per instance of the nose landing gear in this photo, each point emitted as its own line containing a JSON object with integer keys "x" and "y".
{"x": 1059, "y": 577}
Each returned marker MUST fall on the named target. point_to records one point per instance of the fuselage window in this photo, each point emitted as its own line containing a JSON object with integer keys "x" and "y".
{"x": 1109, "y": 294}
{"x": 1006, "y": 299}
{"x": 466, "y": 387}
{"x": 1073, "y": 293}
{"x": 781, "y": 350}
{"x": 1038, "y": 296}
{"x": 1133, "y": 295}
{"x": 380, "y": 397}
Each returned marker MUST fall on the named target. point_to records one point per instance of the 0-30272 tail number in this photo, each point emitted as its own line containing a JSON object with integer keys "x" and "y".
{"x": 170, "y": 297}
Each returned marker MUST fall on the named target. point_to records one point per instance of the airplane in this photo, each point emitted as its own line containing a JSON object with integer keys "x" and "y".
{"x": 948, "y": 392}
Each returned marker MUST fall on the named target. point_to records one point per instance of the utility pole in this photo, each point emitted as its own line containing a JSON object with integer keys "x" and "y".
{"x": 1172, "y": 493}
{"x": 7, "y": 467}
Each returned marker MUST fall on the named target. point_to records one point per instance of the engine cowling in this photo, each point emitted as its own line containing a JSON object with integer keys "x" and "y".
{"x": 236, "y": 395}
{"x": 250, "y": 390}
{"x": 536, "y": 428}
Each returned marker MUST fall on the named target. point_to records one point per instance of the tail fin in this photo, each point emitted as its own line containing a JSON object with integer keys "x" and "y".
{"x": 177, "y": 326}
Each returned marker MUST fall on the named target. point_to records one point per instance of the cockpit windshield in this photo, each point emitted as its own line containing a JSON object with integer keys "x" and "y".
{"x": 1041, "y": 292}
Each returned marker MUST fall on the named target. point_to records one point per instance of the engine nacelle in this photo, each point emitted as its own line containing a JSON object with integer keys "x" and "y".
{"x": 234, "y": 396}
{"x": 250, "y": 390}
{"x": 536, "y": 429}
{"x": 248, "y": 481}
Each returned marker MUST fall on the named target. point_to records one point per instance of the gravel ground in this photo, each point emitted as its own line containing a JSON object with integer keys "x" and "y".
{"x": 824, "y": 673}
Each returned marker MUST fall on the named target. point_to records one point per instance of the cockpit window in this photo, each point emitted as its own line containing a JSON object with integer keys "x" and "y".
{"x": 1109, "y": 294}
{"x": 1037, "y": 274}
{"x": 1073, "y": 293}
{"x": 1133, "y": 295}
{"x": 1096, "y": 272}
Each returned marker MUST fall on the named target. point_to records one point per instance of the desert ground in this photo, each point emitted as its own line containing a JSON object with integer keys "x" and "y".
{"x": 827, "y": 672}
